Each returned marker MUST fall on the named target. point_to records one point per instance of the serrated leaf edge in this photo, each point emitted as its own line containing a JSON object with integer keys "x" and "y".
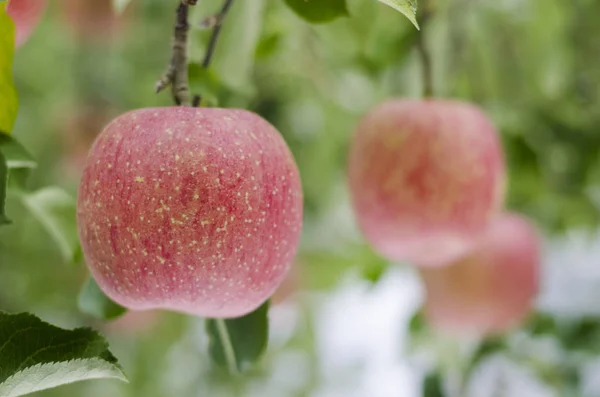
{"x": 13, "y": 385}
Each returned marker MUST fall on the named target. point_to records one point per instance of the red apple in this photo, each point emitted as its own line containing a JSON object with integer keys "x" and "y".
{"x": 26, "y": 15}
{"x": 492, "y": 288}
{"x": 191, "y": 210}
{"x": 425, "y": 177}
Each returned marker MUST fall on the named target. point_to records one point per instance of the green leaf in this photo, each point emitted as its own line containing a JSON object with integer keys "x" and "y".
{"x": 372, "y": 266}
{"x": 319, "y": 11}
{"x": 3, "y": 184}
{"x": 581, "y": 335}
{"x": 234, "y": 56}
{"x": 120, "y": 5}
{"x": 93, "y": 302}
{"x": 18, "y": 161}
{"x": 16, "y": 155}
{"x": 55, "y": 209}
{"x": 322, "y": 269}
{"x": 486, "y": 348}
{"x": 17, "y": 179}
{"x": 268, "y": 45}
{"x": 417, "y": 323}
{"x": 406, "y": 7}
{"x": 35, "y": 355}
{"x": 432, "y": 386}
{"x": 8, "y": 93}
{"x": 541, "y": 324}
{"x": 205, "y": 83}
{"x": 237, "y": 343}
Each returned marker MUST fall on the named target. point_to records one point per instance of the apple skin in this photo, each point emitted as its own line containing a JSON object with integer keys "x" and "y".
{"x": 26, "y": 15}
{"x": 425, "y": 178}
{"x": 492, "y": 288}
{"x": 191, "y": 210}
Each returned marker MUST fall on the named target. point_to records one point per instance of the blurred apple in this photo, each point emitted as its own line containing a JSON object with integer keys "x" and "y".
{"x": 492, "y": 288}
{"x": 425, "y": 177}
{"x": 26, "y": 15}
{"x": 134, "y": 323}
{"x": 79, "y": 128}
{"x": 92, "y": 20}
{"x": 288, "y": 287}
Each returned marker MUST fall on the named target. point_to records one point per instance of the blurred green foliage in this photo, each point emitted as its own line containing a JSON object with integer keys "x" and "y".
{"x": 8, "y": 110}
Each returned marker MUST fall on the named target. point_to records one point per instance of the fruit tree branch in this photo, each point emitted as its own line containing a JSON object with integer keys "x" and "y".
{"x": 177, "y": 73}
{"x": 216, "y": 22}
{"x": 426, "y": 13}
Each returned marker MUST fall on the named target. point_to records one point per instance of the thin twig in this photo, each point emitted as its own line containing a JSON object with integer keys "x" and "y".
{"x": 177, "y": 72}
{"x": 218, "y": 24}
{"x": 426, "y": 14}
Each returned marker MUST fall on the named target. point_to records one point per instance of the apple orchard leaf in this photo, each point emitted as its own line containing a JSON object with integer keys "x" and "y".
{"x": 205, "y": 83}
{"x": 120, "y": 5}
{"x": 237, "y": 343}
{"x": 417, "y": 324}
{"x": 35, "y": 355}
{"x": 433, "y": 385}
{"x": 16, "y": 155}
{"x": 406, "y": 7}
{"x": 319, "y": 11}
{"x": 55, "y": 210}
{"x": 3, "y": 185}
{"x": 93, "y": 302}
{"x": 234, "y": 56}
{"x": 486, "y": 348}
{"x": 8, "y": 94}
{"x": 322, "y": 268}
{"x": 18, "y": 160}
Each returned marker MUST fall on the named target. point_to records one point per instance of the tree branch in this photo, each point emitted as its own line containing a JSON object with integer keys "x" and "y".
{"x": 177, "y": 73}
{"x": 216, "y": 23}
{"x": 426, "y": 13}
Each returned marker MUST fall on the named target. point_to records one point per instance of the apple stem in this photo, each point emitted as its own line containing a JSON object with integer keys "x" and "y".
{"x": 426, "y": 69}
{"x": 177, "y": 74}
{"x": 227, "y": 345}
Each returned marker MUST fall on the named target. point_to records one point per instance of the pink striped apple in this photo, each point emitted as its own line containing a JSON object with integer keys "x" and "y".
{"x": 26, "y": 15}
{"x": 425, "y": 178}
{"x": 191, "y": 210}
{"x": 493, "y": 287}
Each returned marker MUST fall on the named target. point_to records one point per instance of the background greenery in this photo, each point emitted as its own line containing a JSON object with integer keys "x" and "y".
{"x": 534, "y": 65}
